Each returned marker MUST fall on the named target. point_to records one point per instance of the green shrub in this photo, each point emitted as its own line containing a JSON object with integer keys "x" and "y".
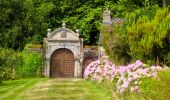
{"x": 158, "y": 88}
{"x": 9, "y": 61}
{"x": 15, "y": 64}
{"x": 141, "y": 36}
{"x": 32, "y": 62}
{"x": 153, "y": 88}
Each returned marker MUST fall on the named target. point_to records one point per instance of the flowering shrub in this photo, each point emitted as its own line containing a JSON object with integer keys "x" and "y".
{"x": 127, "y": 77}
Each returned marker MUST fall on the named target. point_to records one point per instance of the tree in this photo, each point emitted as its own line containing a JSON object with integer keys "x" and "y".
{"x": 142, "y": 36}
{"x": 165, "y": 3}
{"x": 25, "y": 21}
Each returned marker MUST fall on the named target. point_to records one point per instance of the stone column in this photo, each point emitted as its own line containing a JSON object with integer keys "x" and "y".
{"x": 76, "y": 69}
{"x": 79, "y": 68}
{"x": 48, "y": 68}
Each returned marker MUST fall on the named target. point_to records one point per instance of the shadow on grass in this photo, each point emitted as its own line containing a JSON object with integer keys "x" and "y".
{"x": 12, "y": 82}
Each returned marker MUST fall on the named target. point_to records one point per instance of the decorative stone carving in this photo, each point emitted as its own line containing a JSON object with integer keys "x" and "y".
{"x": 67, "y": 39}
{"x": 64, "y": 25}
{"x": 63, "y": 34}
{"x": 48, "y": 32}
{"x": 77, "y": 31}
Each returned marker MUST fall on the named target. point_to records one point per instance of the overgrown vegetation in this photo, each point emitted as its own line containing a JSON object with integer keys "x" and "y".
{"x": 134, "y": 81}
{"x": 20, "y": 64}
{"x": 143, "y": 33}
{"x": 25, "y": 21}
{"x": 142, "y": 36}
{"x": 157, "y": 88}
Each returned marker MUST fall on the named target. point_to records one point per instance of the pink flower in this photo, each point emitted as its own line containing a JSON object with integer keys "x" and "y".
{"x": 138, "y": 63}
{"x": 148, "y": 75}
{"x": 135, "y": 76}
{"x": 153, "y": 68}
{"x": 137, "y": 89}
{"x": 153, "y": 74}
{"x": 125, "y": 85}
{"x": 104, "y": 73}
{"x": 130, "y": 79}
{"x": 97, "y": 62}
{"x": 136, "y": 82}
{"x": 88, "y": 67}
{"x": 125, "y": 75}
{"x": 86, "y": 72}
{"x": 159, "y": 68}
{"x": 122, "y": 69}
{"x": 122, "y": 90}
{"x": 100, "y": 79}
{"x": 131, "y": 66}
{"x": 105, "y": 68}
{"x": 132, "y": 89}
{"x": 98, "y": 70}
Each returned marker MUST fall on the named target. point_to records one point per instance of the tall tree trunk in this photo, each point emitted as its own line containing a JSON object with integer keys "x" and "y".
{"x": 22, "y": 32}
{"x": 165, "y": 3}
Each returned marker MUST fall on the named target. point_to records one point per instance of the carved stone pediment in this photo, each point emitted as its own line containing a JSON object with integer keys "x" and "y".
{"x": 63, "y": 34}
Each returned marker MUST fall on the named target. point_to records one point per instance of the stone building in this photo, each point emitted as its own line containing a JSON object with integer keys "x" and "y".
{"x": 64, "y": 53}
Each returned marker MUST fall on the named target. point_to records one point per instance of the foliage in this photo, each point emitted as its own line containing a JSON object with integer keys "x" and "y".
{"x": 151, "y": 37}
{"x": 15, "y": 64}
{"x": 161, "y": 83}
{"x": 153, "y": 88}
{"x": 9, "y": 61}
{"x": 127, "y": 78}
{"x": 143, "y": 35}
{"x": 26, "y": 21}
{"x": 23, "y": 21}
{"x": 32, "y": 63}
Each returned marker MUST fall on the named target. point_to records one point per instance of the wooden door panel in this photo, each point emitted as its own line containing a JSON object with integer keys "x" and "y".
{"x": 62, "y": 63}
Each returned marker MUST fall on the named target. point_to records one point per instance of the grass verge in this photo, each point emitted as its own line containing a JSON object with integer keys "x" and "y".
{"x": 152, "y": 88}
{"x": 51, "y": 89}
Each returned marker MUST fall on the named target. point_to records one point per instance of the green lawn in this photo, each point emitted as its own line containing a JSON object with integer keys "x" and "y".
{"x": 79, "y": 89}
{"x": 51, "y": 89}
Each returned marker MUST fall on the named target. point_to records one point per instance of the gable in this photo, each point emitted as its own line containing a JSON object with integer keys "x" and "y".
{"x": 64, "y": 34}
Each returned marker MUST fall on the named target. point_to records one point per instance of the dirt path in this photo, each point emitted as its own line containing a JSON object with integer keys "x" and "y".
{"x": 64, "y": 89}
{"x": 52, "y": 89}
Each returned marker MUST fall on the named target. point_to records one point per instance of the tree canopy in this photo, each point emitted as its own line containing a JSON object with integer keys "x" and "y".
{"x": 25, "y": 21}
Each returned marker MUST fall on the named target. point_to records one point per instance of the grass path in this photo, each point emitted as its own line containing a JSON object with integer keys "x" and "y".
{"x": 51, "y": 89}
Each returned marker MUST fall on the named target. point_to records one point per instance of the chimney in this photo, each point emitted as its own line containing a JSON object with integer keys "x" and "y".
{"x": 107, "y": 17}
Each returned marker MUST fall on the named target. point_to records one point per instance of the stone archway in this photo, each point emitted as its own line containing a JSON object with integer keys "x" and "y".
{"x": 62, "y": 63}
{"x": 86, "y": 62}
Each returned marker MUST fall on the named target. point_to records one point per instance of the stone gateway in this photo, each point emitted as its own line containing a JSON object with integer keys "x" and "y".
{"x": 62, "y": 53}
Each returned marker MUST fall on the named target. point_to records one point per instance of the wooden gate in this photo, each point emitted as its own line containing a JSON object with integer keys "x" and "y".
{"x": 86, "y": 62}
{"x": 62, "y": 63}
